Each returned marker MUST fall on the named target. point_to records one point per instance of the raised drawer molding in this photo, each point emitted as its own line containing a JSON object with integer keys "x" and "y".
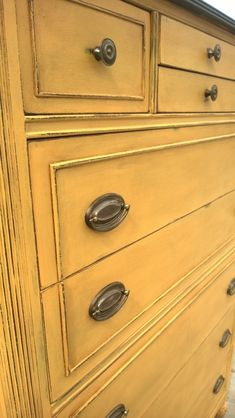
{"x": 117, "y": 209}
{"x": 60, "y": 68}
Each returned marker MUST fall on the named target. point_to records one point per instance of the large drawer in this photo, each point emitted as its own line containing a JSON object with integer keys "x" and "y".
{"x": 150, "y": 375}
{"x": 160, "y": 181}
{"x": 78, "y": 346}
{"x": 59, "y": 72}
{"x": 147, "y": 270}
{"x": 185, "y": 47}
{"x": 196, "y": 381}
{"x": 182, "y": 91}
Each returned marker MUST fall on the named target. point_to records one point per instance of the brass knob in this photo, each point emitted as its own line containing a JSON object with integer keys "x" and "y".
{"x": 106, "y": 52}
{"x": 216, "y": 52}
{"x": 218, "y": 384}
{"x": 119, "y": 411}
{"x": 212, "y": 93}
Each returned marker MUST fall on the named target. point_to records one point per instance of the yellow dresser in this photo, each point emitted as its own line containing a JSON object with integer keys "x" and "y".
{"x": 117, "y": 208}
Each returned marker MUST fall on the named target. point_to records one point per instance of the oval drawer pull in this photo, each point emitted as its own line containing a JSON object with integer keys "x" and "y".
{"x": 231, "y": 288}
{"x": 119, "y": 411}
{"x": 212, "y": 93}
{"x": 106, "y": 52}
{"x": 218, "y": 384}
{"x": 216, "y": 52}
{"x": 108, "y": 301}
{"x": 106, "y": 212}
{"x": 225, "y": 338}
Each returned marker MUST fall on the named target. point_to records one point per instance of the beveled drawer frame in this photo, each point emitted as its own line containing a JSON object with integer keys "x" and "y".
{"x": 40, "y": 93}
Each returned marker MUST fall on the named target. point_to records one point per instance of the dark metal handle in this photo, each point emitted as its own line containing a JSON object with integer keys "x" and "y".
{"x": 218, "y": 384}
{"x": 106, "y": 52}
{"x": 216, "y": 52}
{"x": 106, "y": 212}
{"x": 119, "y": 411}
{"x": 231, "y": 288}
{"x": 108, "y": 301}
{"x": 212, "y": 93}
{"x": 225, "y": 338}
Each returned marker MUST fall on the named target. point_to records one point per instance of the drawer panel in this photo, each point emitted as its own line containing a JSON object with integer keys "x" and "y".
{"x": 185, "y": 47}
{"x": 197, "y": 379}
{"x": 140, "y": 381}
{"x": 182, "y": 91}
{"x": 139, "y": 277}
{"x": 65, "y": 75}
{"x": 67, "y": 177}
{"x": 79, "y": 332}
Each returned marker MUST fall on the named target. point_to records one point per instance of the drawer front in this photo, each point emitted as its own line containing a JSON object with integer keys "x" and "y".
{"x": 182, "y": 91}
{"x": 67, "y": 178}
{"x": 88, "y": 56}
{"x": 197, "y": 380}
{"x": 185, "y": 47}
{"x": 144, "y": 379}
{"x": 79, "y": 331}
{"x": 145, "y": 281}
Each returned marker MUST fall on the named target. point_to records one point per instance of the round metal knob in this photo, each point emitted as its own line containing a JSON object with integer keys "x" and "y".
{"x": 119, "y": 411}
{"x": 216, "y": 52}
{"x": 106, "y": 52}
{"x": 212, "y": 93}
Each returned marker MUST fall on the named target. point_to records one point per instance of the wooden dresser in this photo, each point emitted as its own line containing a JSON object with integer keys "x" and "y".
{"x": 117, "y": 208}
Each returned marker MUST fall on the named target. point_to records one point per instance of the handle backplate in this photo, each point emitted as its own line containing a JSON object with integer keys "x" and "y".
{"x": 108, "y": 301}
{"x": 225, "y": 338}
{"x": 231, "y": 288}
{"x": 218, "y": 384}
{"x": 119, "y": 411}
{"x": 106, "y": 212}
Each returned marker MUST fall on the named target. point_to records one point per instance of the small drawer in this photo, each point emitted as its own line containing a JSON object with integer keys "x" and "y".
{"x": 86, "y": 343}
{"x": 143, "y": 381}
{"x": 185, "y": 47}
{"x": 71, "y": 183}
{"x": 182, "y": 91}
{"x": 197, "y": 388}
{"x": 83, "y": 57}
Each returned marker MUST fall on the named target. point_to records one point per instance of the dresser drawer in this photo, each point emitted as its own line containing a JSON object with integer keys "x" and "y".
{"x": 144, "y": 380}
{"x": 182, "y": 91}
{"x": 183, "y": 46}
{"x": 64, "y": 75}
{"x": 66, "y": 352}
{"x": 205, "y": 373}
{"x": 146, "y": 282}
{"x": 161, "y": 183}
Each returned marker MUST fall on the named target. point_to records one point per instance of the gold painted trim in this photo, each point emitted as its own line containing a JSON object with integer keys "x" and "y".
{"x": 120, "y": 124}
{"x": 88, "y": 160}
{"x": 153, "y": 60}
{"x": 40, "y": 93}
